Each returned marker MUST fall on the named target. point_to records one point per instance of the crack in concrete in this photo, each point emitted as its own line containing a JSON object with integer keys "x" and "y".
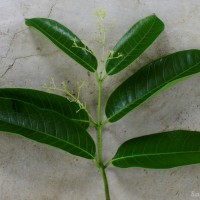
{"x": 12, "y": 40}
{"x": 51, "y": 8}
{"x": 23, "y": 57}
{"x": 11, "y": 66}
{"x": 11, "y": 43}
{"x": 2, "y": 33}
{"x": 9, "y": 48}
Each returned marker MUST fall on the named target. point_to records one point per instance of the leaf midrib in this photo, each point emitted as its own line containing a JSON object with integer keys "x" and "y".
{"x": 85, "y": 121}
{"x": 48, "y": 109}
{"x": 127, "y": 55}
{"x": 155, "y": 154}
{"x": 65, "y": 47}
{"x": 174, "y": 78}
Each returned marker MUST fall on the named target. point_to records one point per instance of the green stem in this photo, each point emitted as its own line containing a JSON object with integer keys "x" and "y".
{"x": 106, "y": 188}
{"x": 100, "y": 125}
{"x": 99, "y": 121}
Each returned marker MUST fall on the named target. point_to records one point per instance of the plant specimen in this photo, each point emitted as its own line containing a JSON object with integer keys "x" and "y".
{"x": 62, "y": 122}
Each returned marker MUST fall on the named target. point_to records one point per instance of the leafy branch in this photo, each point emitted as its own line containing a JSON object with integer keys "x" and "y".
{"x": 63, "y": 122}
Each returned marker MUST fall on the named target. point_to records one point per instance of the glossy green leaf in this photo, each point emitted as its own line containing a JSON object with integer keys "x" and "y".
{"x": 45, "y": 126}
{"x": 150, "y": 80}
{"x": 49, "y": 101}
{"x": 139, "y": 37}
{"x": 160, "y": 151}
{"x": 66, "y": 40}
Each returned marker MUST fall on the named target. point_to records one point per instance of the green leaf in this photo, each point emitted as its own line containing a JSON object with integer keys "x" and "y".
{"x": 66, "y": 40}
{"x": 160, "y": 151}
{"x": 150, "y": 80}
{"x": 139, "y": 37}
{"x": 49, "y": 101}
{"x": 45, "y": 126}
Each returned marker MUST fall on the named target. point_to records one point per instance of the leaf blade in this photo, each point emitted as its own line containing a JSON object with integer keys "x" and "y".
{"x": 135, "y": 41}
{"x": 45, "y": 126}
{"x": 49, "y": 101}
{"x": 64, "y": 39}
{"x": 150, "y": 80}
{"x": 160, "y": 151}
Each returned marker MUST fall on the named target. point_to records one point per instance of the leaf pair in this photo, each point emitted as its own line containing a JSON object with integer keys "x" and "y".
{"x": 46, "y": 118}
{"x": 130, "y": 46}
{"x": 162, "y": 150}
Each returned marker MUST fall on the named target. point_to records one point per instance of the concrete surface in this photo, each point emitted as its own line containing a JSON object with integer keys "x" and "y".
{"x": 30, "y": 171}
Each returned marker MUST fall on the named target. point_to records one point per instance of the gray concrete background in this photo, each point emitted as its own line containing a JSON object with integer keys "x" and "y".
{"x": 29, "y": 170}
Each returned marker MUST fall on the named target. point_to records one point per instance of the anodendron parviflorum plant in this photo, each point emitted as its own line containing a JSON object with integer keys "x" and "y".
{"x": 62, "y": 122}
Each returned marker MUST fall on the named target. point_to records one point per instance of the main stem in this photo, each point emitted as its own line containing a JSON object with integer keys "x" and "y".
{"x": 101, "y": 165}
{"x": 106, "y": 188}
